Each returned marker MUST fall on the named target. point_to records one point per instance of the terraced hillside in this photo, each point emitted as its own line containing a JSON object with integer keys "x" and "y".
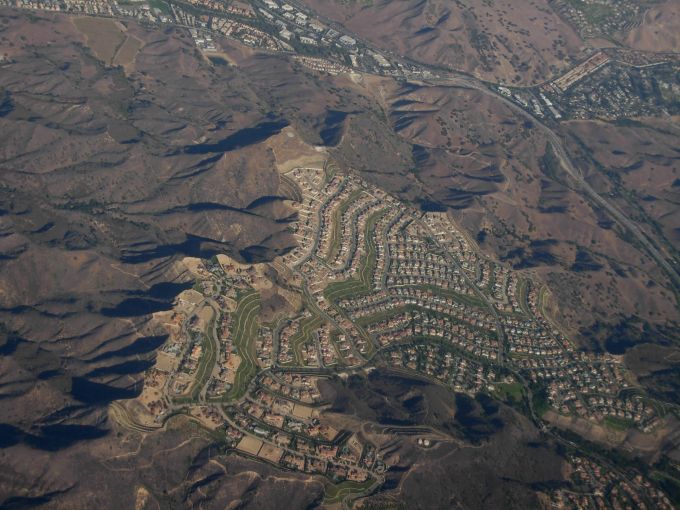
{"x": 234, "y": 273}
{"x": 406, "y": 292}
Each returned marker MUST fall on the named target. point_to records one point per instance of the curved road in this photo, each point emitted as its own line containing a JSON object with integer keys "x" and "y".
{"x": 667, "y": 263}
{"x": 574, "y": 173}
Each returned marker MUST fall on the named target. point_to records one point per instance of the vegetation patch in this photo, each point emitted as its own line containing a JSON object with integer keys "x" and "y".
{"x": 244, "y": 330}
{"x": 336, "y": 233}
{"x": 364, "y": 284}
{"x": 206, "y": 363}
{"x": 336, "y": 493}
{"x": 617, "y": 423}
{"x": 304, "y": 335}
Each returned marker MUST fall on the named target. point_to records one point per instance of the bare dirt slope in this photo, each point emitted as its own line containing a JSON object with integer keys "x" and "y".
{"x": 659, "y": 30}
{"x": 490, "y": 167}
{"x": 521, "y": 42}
{"x": 107, "y": 177}
{"x": 489, "y": 455}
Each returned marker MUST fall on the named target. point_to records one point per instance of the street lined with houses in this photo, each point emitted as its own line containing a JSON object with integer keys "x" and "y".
{"x": 377, "y": 283}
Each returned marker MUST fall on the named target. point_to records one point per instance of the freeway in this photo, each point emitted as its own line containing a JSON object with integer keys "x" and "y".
{"x": 466, "y": 80}
{"x": 576, "y": 175}
{"x": 460, "y": 79}
{"x": 456, "y": 78}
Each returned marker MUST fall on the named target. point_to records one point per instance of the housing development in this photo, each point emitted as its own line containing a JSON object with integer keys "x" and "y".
{"x": 269, "y": 26}
{"x": 609, "y": 84}
{"x": 372, "y": 283}
{"x": 340, "y": 255}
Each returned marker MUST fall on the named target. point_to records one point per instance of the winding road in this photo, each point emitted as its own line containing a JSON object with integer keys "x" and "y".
{"x": 452, "y": 78}
{"x": 567, "y": 165}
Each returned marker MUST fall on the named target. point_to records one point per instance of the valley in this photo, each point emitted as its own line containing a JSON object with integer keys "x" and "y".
{"x": 339, "y": 254}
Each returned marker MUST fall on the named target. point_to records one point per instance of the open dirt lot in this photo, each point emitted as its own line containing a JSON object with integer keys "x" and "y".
{"x": 271, "y": 453}
{"x": 250, "y": 445}
{"x": 104, "y": 36}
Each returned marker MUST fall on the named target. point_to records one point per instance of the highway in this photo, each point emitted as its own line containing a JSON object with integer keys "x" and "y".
{"x": 460, "y": 79}
{"x": 567, "y": 165}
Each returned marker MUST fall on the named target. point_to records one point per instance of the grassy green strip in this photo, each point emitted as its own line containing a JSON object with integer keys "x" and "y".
{"x": 364, "y": 284}
{"x": 336, "y": 493}
{"x": 206, "y": 364}
{"x": 336, "y": 232}
{"x": 244, "y": 330}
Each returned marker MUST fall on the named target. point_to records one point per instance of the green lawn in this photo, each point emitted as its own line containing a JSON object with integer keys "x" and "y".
{"x": 340, "y": 290}
{"x": 456, "y": 296}
{"x": 357, "y": 286}
{"x": 492, "y": 280}
{"x": 160, "y": 5}
{"x": 364, "y": 283}
{"x": 335, "y": 493}
{"x": 540, "y": 399}
{"x": 508, "y": 392}
{"x": 669, "y": 483}
{"x": 336, "y": 232}
{"x": 206, "y": 364}
{"x": 521, "y": 294}
{"x": 617, "y": 423}
{"x": 384, "y": 315}
{"x": 244, "y": 330}
{"x": 594, "y": 13}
